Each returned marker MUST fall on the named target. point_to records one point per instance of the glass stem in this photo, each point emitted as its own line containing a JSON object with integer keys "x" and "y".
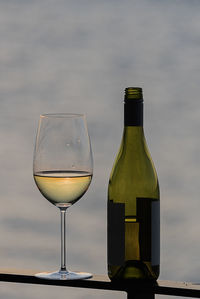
{"x": 63, "y": 239}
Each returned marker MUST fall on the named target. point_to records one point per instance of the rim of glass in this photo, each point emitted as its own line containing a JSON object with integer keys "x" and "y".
{"x": 62, "y": 115}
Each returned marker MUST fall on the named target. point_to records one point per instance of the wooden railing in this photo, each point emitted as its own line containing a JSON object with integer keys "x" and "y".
{"x": 136, "y": 290}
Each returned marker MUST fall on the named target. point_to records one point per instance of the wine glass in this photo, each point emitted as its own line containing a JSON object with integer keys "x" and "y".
{"x": 62, "y": 170}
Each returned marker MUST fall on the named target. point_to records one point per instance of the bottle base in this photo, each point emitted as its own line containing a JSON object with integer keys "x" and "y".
{"x": 134, "y": 270}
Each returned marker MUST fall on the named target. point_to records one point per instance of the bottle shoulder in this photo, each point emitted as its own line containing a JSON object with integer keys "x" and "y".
{"x": 133, "y": 172}
{"x": 134, "y": 160}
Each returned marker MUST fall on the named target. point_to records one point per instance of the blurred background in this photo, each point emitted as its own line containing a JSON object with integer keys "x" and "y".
{"x": 78, "y": 56}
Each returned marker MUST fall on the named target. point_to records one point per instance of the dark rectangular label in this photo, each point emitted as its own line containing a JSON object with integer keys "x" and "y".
{"x": 116, "y": 233}
{"x": 148, "y": 215}
{"x": 144, "y": 218}
{"x": 155, "y": 224}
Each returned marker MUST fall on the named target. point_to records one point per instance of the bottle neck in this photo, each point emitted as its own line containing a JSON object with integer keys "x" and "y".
{"x": 133, "y": 134}
{"x": 133, "y": 113}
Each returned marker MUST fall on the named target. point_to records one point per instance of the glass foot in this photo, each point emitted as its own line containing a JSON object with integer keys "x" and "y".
{"x": 63, "y": 275}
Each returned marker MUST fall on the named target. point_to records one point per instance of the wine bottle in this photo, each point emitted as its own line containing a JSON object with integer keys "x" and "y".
{"x": 133, "y": 237}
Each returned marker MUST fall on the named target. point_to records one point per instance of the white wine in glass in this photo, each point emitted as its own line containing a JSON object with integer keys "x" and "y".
{"x": 63, "y": 188}
{"x": 62, "y": 170}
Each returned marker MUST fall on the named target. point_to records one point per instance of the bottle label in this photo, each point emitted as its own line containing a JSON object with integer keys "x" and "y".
{"x": 155, "y": 234}
{"x": 135, "y": 237}
{"x": 116, "y": 233}
{"x": 148, "y": 216}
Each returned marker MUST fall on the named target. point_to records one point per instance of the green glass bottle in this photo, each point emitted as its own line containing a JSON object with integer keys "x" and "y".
{"x": 133, "y": 236}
